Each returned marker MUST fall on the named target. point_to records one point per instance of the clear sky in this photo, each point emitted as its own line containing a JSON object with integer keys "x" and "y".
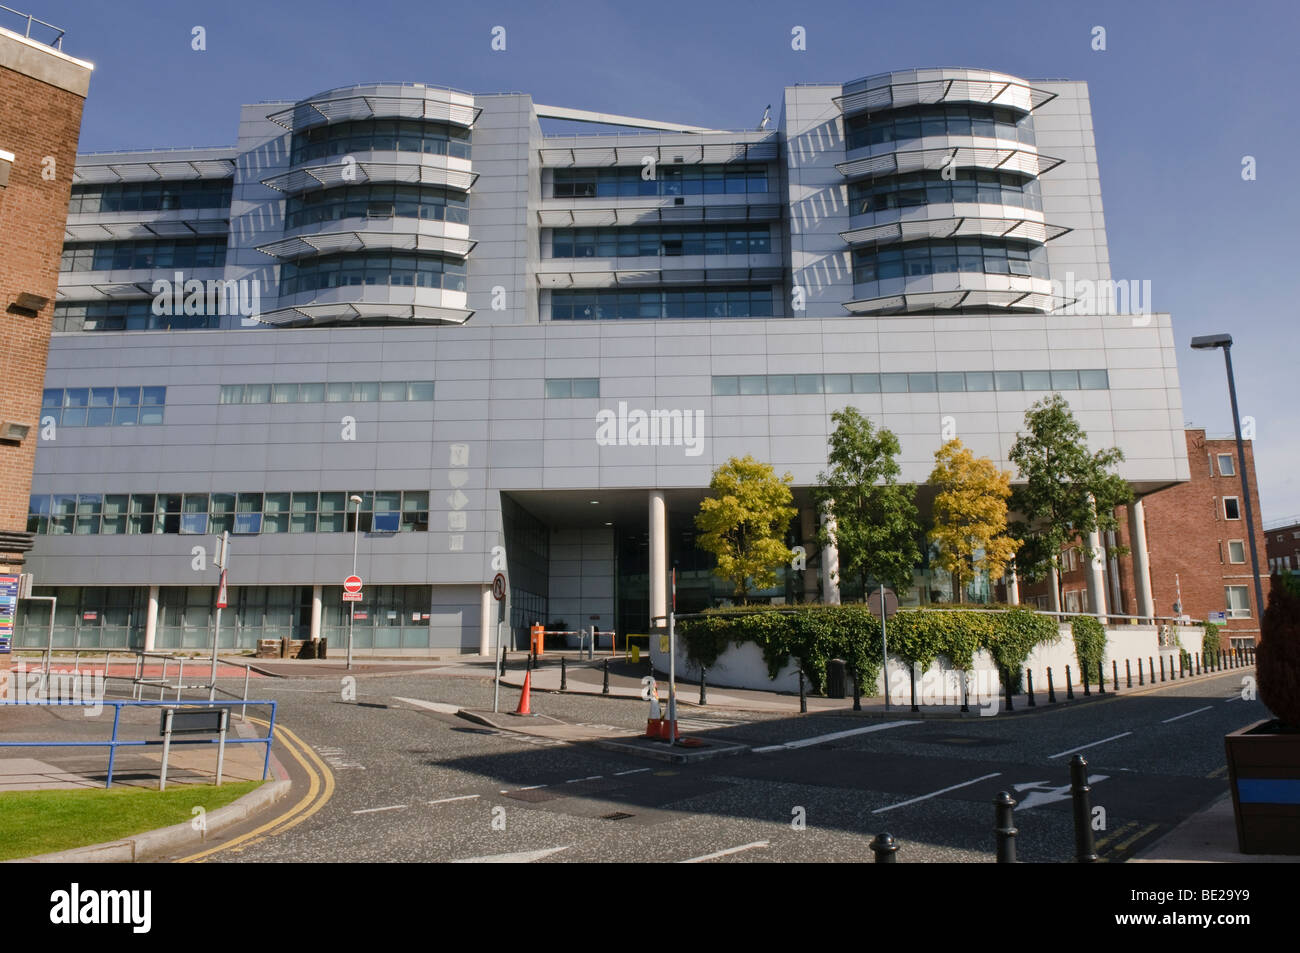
{"x": 1182, "y": 92}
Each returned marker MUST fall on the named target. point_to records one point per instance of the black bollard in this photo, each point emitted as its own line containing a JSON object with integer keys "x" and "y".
{"x": 1114, "y": 675}
{"x": 1151, "y": 664}
{"x": 1029, "y": 687}
{"x": 965, "y": 691}
{"x": 503, "y": 661}
{"x": 1180, "y": 665}
{"x": 857, "y": 691}
{"x": 803, "y": 694}
{"x": 1101, "y": 678}
{"x": 1083, "y": 675}
{"x": 1006, "y": 674}
{"x": 704, "y": 689}
{"x": 1162, "y": 668}
{"x": 531, "y": 659}
{"x": 1069, "y": 684}
{"x": 1128, "y": 673}
{"x": 564, "y": 674}
{"x": 912, "y": 669}
{"x": 1084, "y": 851}
{"x": 1196, "y": 665}
{"x": 604, "y": 689}
{"x": 1004, "y": 827}
{"x": 1141, "y": 677}
{"x": 1051, "y": 688}
{"x": 885, "y": 849}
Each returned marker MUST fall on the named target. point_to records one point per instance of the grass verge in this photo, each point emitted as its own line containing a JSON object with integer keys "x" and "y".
{"x": 41, "y": 822}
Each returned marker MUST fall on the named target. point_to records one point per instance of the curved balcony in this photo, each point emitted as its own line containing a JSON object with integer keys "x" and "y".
{"x": 935, "y": 86}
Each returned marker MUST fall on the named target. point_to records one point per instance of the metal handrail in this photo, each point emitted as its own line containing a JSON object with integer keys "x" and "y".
{"x": 57, "y": 42}
{"x": 113, "y": 743}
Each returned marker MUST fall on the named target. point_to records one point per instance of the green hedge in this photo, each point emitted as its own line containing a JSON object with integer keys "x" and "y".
{"x": 1089, "y": 643}
{"x": 1210, "y": 644}
{"x": 817, "y": 633}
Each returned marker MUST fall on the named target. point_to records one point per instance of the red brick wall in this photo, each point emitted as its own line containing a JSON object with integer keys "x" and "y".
{"x": 37, "y": 120}
{"x": 1187, "y": 543}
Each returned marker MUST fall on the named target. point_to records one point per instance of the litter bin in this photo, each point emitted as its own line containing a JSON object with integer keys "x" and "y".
{"x": 836, "y": 678}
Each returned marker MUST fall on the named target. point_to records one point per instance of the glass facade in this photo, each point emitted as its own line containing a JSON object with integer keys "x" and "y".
{"x": 913, "y": 122}
{"x": 103, "y": 406}
{"x": 150, "y": 196}
{"x": 322, "y": 392}
{"x": 925, "y": 188}
{"x": 380, "y": 135}
{"x": 144, "y": 254}
{"x": 372, "y": 268}
{"x": 248, "y": 513}
{"x": 740, "y": 178}
{"x": 942, "y": 382}
{"x": 751, "y": 301}
{"x": 376, "y": 201}
{"x": 135, "y": 314}
{"x": 638, "y": 242}
{"x": 990, "y": 256}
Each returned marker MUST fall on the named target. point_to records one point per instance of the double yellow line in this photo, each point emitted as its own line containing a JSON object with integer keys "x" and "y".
{"x": 320, "y": 789}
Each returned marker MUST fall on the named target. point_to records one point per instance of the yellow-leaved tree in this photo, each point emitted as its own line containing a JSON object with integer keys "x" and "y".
{"x": 970, "y": 515}
{"x": 743, "y": 522}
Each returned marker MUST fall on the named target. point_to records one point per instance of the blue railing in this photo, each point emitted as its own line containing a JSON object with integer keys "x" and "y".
{"x": 114, "y": 742}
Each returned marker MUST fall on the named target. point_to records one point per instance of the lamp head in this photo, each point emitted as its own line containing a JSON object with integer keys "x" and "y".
{"x": 1208, "y": 342}
{"x": 354, "y": 499}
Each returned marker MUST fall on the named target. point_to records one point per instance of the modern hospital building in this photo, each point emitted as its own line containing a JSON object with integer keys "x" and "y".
{"x": 528, "y": 352}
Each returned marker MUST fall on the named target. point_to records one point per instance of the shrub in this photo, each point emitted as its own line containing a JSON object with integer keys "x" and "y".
{"x": 1089, "y": 643}
{"x": 1210, "y": 644}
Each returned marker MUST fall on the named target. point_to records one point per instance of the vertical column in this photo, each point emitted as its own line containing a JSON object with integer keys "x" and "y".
{"x": 151, "y": 620}
{"x": 658, "y": 559}
{"x": 830, "y": 562}
{"x": 1013, "y": 587}
{"x": 485, "y": 622}
{"x": 1054, "y": 580}
{"x": 1096, "y": 575}
{"x": 315, "y": 613}
{"x": 1112, "y": 573}
{"x": 808, "y": 535}
{"x": 1137, "y": 531}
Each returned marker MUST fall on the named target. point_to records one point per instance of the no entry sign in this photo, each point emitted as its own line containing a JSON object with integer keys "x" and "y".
{"x": 352, "y": 584}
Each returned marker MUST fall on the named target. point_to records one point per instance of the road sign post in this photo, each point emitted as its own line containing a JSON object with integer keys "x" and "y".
{"x": 499, "y": 590}
{"x": 352, "y": 594}
{"x": 222, "y": 560}
{"x": 884, "y": 603}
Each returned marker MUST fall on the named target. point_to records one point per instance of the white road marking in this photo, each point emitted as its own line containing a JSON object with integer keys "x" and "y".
{"x": 819, "y": 739}
{"x": 926, "y": 797}
{"x": 1234, "y": 698}
{"x": 376, "y": 810}
{"x": 723, "y": 853}
{"x": 1091, "y": 744}
{"x": 440, "y": 707}
{"x": 594, "y": 777}
{"x": 520, "y": 857}
{"x": 448, "y": 800}
{"x": 1186, "y": 714}
{"x": 619, "y": 774}
{"x": 531, "y": 787}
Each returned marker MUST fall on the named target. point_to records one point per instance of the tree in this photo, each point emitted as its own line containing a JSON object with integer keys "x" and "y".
{"x": 875, "y": 515}
{"x": 1067, "y": 493}
{"x": 970, "y": 515}
{"x": 744, "y": 522}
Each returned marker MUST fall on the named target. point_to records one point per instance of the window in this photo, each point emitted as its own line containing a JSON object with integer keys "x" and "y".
{"x": 1231, "y": 508}
{"x": 889, "y": 383}
{"x": 1237, "y": 599}
{"x": 150, "y": 196}
{"x": 643, "y": 241}
{"x": 749, "y": 301}
{"x": 372, "y": 268}
{"x": 675, "y": 179}
{"x": 986, "y": 255}
{"x": 380, "y": 135}
{"x": 376, "y": 201}
{"x": 183, "y": 253}
{"x": 1227, "y": 466}
{"x": 1236, "y": 551}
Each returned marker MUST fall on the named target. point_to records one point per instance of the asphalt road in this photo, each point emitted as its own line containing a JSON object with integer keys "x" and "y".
{"x": 377, "y": 779}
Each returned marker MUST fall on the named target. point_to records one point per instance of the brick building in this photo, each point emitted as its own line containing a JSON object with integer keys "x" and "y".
{"x": 1197, "y": 546}
{"x": 1282, "y": 546}
{"x": 43, "y": 91}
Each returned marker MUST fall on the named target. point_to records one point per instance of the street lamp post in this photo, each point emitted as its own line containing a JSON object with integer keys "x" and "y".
{"x": 352, "y": 606}
{"x": 1209, "y": 342}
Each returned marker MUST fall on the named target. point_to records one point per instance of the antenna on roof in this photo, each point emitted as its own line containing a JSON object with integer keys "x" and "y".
{"x": 767, "y": 118}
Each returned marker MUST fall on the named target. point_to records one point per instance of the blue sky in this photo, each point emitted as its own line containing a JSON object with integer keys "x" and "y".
{"x": 1183, "y": 91}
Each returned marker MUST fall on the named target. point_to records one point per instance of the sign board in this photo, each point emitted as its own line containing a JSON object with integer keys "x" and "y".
{"x": 1218, "y": 618}
{"x": 499, "y": 586}
{"x": 193, "y": 721}
{"x": 362, "y": 614}
{"x": 90, "y": 616}
{"x": 891, "y": 603}
{"x": 352, "y": 584}
{"x": 221, "y": 591}
{"x": 8, "y": 609}
{"x": 351, "y": 597}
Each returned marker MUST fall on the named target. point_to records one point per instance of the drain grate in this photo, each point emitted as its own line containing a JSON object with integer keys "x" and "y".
{"x": 616, "y": 816}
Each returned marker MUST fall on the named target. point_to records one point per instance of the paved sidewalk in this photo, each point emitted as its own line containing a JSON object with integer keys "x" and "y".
{"x": 1207, "y": 837}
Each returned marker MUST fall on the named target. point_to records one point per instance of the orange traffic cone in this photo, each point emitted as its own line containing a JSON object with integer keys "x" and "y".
{"x": 524, "y": 699}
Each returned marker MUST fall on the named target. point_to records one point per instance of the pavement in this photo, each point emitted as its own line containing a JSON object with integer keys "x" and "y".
{"x": 1207, "y": 837}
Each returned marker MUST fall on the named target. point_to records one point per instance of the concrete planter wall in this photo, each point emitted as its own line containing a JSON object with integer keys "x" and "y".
{"x": 742, "y": 666}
